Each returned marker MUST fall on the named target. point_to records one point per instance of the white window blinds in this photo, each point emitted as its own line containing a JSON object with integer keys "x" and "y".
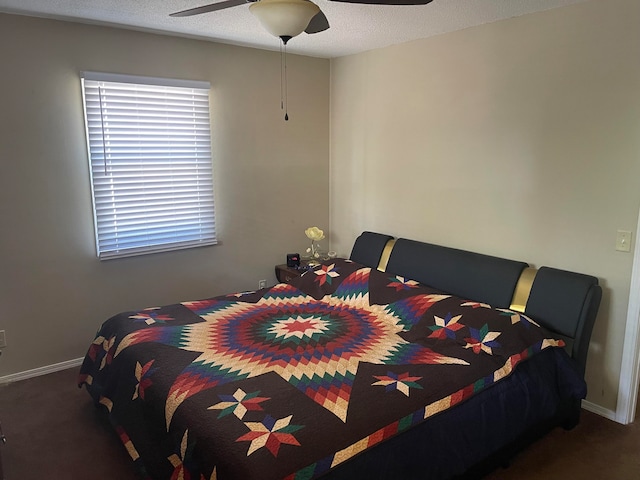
{"x": 149, "y": 144}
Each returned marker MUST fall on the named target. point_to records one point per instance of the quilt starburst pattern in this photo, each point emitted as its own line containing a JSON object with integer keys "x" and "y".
{"x": 292, "y": 380}
{"x": 318, "y": 347}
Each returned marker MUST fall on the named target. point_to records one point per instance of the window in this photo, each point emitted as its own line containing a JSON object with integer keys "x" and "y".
{"x": 149, "y": 143}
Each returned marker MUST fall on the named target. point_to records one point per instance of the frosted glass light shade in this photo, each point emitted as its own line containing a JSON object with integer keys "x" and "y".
{"x": 284, "y": 18}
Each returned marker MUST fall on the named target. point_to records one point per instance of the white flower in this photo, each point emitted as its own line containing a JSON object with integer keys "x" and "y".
{"x": 314, "y": 233}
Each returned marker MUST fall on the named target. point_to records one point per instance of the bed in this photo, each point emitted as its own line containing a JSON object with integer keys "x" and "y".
{"x": 407, "y": 360}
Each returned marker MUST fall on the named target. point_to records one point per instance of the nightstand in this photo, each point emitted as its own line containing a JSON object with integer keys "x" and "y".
{"x": 285, "y": 274}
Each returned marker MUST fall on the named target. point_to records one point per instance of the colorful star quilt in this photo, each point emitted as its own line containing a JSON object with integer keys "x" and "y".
{"x": 290, "y": 381}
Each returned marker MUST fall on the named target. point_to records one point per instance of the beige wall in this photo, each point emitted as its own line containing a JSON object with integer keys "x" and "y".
{"x": 54, "y": 293}
{"x": 518, "y": 139}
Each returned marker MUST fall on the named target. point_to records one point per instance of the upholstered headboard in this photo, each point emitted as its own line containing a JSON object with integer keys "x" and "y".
{"x": 368, "y": 248}
{"x": 465, "y": 274}
{"x": 564, "y": 302}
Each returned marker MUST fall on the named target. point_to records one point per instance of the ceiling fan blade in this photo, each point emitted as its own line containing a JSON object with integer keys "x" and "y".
{"x": 209, "y": 8}
{"x": 387, "y": 2}
{"x": 318, "y": 23}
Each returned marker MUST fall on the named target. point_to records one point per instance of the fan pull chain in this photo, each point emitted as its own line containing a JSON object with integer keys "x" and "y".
{"x": 283, "y": 78}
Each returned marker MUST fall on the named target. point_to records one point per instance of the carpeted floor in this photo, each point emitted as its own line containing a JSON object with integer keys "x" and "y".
{"x": 53, "y": 431}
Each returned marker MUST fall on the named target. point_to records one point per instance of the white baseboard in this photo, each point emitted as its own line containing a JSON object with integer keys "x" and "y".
{"x": 36, "y": 372}
{"x": 598, "y": 410}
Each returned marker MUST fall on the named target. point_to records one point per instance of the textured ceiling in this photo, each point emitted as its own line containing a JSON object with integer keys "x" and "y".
{"x": 354, "y": 28}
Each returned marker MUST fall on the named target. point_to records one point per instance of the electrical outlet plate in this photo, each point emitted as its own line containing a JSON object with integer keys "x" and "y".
{"x": 3, "y": 339}
{"x": 262, "y": 284}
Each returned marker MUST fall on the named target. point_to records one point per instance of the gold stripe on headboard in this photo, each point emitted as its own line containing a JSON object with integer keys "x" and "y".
{"x": 523, "y": 289}
{"x": 386, "y": 254}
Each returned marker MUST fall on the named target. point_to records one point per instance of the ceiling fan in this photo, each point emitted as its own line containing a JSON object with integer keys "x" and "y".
{"x": 285, "y": 19}
{"x": 288, "y": 18}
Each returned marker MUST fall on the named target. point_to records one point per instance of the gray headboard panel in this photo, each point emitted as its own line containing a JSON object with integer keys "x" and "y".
{"x": 368, "y": 248}
{"x": 469, "y": 275}
{"x": 566, "y": 303}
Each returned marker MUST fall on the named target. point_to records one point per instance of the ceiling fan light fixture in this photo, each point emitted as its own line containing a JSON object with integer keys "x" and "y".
{"x": 284, "y": 18}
